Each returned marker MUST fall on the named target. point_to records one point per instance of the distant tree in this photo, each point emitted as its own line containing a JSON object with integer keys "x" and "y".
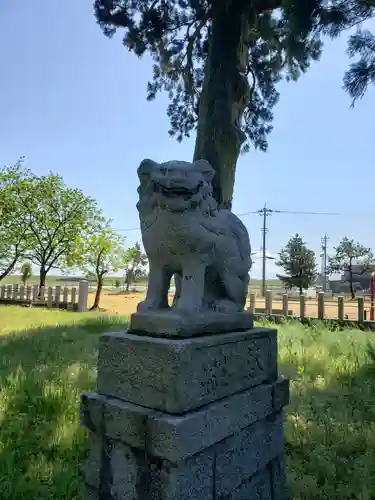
{"x": 219, "y": 62}
{"x": 57, "y": 217}
{"x": 14, "y": 229}
{"x": 298, "y": 263}
{"x": 134, "y": 261}
{"x": 26, "y": 272}
{"x": 350, "y": 255}
{"x": 102, "y": 252}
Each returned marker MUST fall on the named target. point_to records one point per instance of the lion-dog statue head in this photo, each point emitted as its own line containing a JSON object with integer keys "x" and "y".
{"x": 184, "y": 234}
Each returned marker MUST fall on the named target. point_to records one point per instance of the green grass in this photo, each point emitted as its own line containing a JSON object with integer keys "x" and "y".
{"x": 47, "y": 358}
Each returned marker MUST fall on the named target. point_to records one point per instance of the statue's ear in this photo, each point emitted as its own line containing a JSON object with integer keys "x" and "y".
{"x": 206, "y": 169}
{"x": 145, "y": 169}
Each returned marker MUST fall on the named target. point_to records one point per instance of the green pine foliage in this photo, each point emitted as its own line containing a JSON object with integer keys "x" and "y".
{"x": 344, "y": 15}
{"x": 298, "y": 263}
{"x": 219, "y": 63}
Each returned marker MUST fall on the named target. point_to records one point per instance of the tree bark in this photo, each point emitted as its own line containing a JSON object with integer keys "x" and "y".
{"x": 225, "y": 95}
{"x": 97, "y": 294}
{"x": 351, "y": 286}
{"x": 9, "y": 269}
{"x": 129, "y": 276}
{"x": 42, "y": 276}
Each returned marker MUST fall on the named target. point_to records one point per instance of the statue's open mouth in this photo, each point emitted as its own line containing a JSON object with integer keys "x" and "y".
{"x": 177, "y": 191}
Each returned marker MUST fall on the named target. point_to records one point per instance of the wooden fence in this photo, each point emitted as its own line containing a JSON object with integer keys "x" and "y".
{"x": 73, "y": 298}
{"x": 323, "y": 308}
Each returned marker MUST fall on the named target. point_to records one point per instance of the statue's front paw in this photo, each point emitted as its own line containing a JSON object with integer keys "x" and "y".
{"x": 150, "y": 305}
{"x": 188, "y": 307}
{"x": 146, "y": 306}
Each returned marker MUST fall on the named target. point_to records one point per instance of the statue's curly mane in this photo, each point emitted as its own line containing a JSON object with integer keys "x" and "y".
{"x": 150, "y": 202}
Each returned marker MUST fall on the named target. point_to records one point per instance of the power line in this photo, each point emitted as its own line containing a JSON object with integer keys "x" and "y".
{"x": 286, "y": 212}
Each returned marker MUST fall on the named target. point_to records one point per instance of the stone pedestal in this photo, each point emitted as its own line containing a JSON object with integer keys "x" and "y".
{"x": 186, "y": 419}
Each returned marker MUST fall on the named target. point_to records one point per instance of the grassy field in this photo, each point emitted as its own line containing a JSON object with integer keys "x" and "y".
{"x": 47, "y": 358}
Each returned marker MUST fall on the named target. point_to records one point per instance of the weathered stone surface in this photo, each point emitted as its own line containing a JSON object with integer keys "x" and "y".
{"x": 257, "y": 487}
{"x": 280, "y": 394}
{"x": 92, "y": 468}
{"x": 192, "y": 479}
{"x": 240, "y": 456}
{"x": 181, "y": 324}
{"x": 246, "y": 465}
{"x": 177, "y": 437}
{"x": 184, "y": 233}
{"x": 178, "y": 375}
{"x": 89, "y": 493}
{"x": 132, "y": 475}
{"x": 278, "y": 477}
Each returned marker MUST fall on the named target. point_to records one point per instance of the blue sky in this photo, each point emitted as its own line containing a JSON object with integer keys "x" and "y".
{"x": 73, "y": 101}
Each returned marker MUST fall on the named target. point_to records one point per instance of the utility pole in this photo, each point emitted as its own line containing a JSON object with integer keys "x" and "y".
{"x": 264, "y": 212}
{"x": 324, "y": 241}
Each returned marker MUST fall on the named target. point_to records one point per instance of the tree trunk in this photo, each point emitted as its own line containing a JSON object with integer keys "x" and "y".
{"x": 225, "y": 95}
{"x": 42, "y": 276}
{"x": 97, "y": 294}
{"x": 127, "y": 281}
{"x": 300, "y": 291}
{"x": 351, "y": 286}
{"x": 9, "y": 269}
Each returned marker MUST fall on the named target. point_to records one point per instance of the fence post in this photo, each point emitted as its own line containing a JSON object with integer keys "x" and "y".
{"x": 340, "y": 308}
{"x": 285, "y": 304}
{"x": 73, "y": 296}
{"x": 321, "y": 305}
{"x": 361, "y": 309}
{"x": 15, "y": 292}
{"x": 302, "y": 307}
{"x": 50, "y": 297}
{"x": 57, "y": 295}
{"x": 22, "y": 292}
{"x": 2, "y": 293}
{"x": 28, "y": 292}
{"x": 268, "y": 303}
{"x": 9, "y": 291}
{"x": 83, "y": 294}
{"x": 65, "y": 296}
{"x": 35, "y": 292}
{"x": 251, "y": 309}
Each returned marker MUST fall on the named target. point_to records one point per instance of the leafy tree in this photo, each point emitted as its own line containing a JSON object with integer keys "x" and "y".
{"x": 134, "y": 260}
{"x": 26, "y": 272}
{"x": 14, "y": 229}
{"x": 298, "y": 263}
{"x": 351, "y": 258}
{"x": 102, "y": 252}
{"x": 57, "y": 217}
{"x": 345, "y": 14}
{"x": 219, "y": 61}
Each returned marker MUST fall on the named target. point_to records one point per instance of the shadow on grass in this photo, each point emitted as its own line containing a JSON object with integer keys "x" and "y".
{"x": 330, "y": 422}
{"x": 42, "y": 373}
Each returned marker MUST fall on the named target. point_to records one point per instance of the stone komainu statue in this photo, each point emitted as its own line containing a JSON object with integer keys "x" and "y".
{"x": 184, "y": 234}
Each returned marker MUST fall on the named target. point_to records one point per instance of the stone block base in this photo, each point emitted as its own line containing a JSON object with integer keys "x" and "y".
{"x": 229, "y": 447}
{"x": 228, "y": 450}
